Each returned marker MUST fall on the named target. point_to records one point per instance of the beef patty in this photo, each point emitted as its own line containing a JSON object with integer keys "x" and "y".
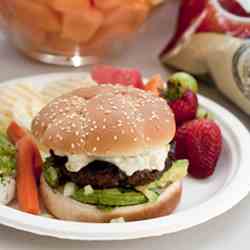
{"x": 101, "y": 174}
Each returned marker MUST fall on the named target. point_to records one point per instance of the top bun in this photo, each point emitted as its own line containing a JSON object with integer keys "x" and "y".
{"x": 105, "y": 120}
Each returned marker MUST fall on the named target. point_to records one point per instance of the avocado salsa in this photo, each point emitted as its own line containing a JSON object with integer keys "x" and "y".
{"x": 7, "y": 157}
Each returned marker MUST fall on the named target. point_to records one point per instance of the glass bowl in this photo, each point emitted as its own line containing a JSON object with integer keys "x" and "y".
{"x": 72, "y": 32}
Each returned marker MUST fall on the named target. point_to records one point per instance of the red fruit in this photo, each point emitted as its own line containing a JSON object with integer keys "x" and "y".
{"x": 180, "y": 141}
{"x": 199, "y": 141}
{"x": 108, "y": 74}
{"x": 185, "y": 108}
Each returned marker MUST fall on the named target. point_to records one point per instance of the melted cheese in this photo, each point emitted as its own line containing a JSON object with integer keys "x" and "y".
{"x": 153, "y": 159}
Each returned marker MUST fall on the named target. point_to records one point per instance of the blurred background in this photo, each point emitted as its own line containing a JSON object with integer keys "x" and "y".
{"x": 207, "y": 38}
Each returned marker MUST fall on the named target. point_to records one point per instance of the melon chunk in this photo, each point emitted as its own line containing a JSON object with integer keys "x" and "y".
{"x": 34, "y": 14}
{"x": 111, "y": 34}
{"x": 56, "y": 43}
{"x": 81, "y": 26}
{"x": 133, "y": 13}
{"x": 69, "y": 5}
{"x": 33, "y": 36}
{"x": 44, "y": 2}
{"x": 4, "y": 12}
{"x": 106, "y": 5}
{"x": 106, "y": 40}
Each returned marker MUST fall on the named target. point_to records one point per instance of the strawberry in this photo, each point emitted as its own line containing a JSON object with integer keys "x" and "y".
{"x": 180, "y": 141}
{"x": 200, "y": 141}
{"x": 184, "y": 108}
{"x": 181, "y": 96}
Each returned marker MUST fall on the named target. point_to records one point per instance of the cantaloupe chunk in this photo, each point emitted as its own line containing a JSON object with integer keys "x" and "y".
{"x": 106, "y": 5}
{"x": 132, "y": 13}
{"x": 69, "y": 5}
{"x": 32, "y": 36}
{"x": 81, "y": 26}
{"x": 4, "y": 13}
{"x": 55, "y": 43}
{"x": 112, "y": 33}
{"x": 34, "y": 14}
{"x": 44, "y": 2}
{"x": 106, "y": 39}
{"x": 2, "y": 7}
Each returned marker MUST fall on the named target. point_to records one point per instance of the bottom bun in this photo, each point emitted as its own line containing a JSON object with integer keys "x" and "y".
{"x": 68, "y": 209}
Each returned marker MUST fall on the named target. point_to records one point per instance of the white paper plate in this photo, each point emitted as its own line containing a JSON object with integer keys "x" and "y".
{"x": 201, "y": 201}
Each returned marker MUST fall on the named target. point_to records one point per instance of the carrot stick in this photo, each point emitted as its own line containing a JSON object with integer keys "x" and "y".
{"x": 154, "y": 85}
{"x": 37, "y": 161}
{"x": 15, "y": 133}
{"x": 27, "y": 193}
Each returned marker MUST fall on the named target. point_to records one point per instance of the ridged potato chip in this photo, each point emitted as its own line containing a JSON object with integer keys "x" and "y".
{"x": 21, "y": 102}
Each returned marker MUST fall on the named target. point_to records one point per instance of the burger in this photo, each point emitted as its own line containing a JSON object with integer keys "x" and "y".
{"x": 110, "y": 155}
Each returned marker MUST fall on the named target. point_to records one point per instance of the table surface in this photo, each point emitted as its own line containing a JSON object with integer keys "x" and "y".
{"x": 230, "y": 230}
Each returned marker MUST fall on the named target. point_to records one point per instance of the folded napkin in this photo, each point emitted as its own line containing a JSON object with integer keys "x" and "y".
{"x": 212, "y": 39}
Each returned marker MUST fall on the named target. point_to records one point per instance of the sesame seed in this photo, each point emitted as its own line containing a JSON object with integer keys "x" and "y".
{"x": 94, "y": 149}
{"x": 98, "y": 138}
{"x": 72, "y": 145}
{"x": 135, "y": 139}
{"x": 115, "y": 138}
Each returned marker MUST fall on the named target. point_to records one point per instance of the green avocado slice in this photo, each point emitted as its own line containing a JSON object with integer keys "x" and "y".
{"x": 177, "y": 171}
{"x": 110, "y": 197}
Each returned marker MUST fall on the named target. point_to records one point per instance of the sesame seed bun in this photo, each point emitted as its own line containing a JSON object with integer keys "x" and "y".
{"x": 105, "y": 120}
{"x": 68, "y": 209}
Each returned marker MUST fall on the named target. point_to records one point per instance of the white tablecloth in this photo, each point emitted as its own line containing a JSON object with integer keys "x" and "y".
{"x": 230, "y": 231}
